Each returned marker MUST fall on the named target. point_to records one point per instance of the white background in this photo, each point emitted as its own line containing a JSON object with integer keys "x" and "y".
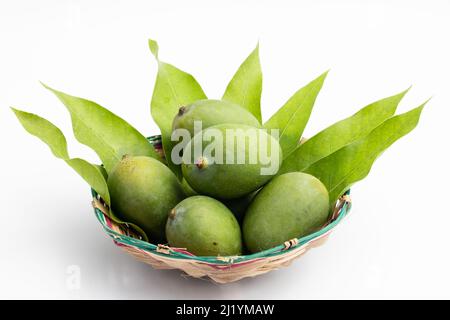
{"x": 395, "y": 243}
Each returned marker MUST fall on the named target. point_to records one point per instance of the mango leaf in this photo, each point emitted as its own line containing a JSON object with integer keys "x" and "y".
{"x": 245, "y": 87}
{"x": 91, "y": 173}
{"x": 353, "y": 162}
{"x": 103, "y": 171}
{"x": 54, "y": 138}
{"x": 292, "y": 117}
{"x": 173, "y": 89}
{"x": 107, "y": 134}
{"x": 341, "y": 134}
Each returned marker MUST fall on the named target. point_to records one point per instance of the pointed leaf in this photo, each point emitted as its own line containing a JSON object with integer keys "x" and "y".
{"x": 341, "y": 134}
{"x": 154, "y": 47}
{"x": 44, "y": 130}
{"x": 174, "y": 88}
{"x": 353, "y": 162}
{"x": 291, "y": 119}
{"x": 54, "y": 138}
{"x": 92, "y": 175}
{"x": 245, "y": 87}
{"x": 107, "y": 134}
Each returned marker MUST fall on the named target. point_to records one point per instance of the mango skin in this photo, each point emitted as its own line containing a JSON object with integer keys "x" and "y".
{"x": 205, "y": 227}
{"x": 292, "y": 205}
{"x": 143, "y": 191}
{"x": 212, "y": 112}
{"x": 228, "y": 181}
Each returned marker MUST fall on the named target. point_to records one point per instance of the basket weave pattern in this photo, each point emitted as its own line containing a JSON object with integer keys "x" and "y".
{"x": 218, "y": 269}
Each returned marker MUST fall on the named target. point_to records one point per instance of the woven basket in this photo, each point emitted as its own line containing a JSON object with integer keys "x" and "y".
{"x": 218, "y": 269}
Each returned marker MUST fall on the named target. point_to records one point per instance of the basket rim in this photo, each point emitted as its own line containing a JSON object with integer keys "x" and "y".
{"x": 164, "y": 250}
{"x": 342, "y": 209}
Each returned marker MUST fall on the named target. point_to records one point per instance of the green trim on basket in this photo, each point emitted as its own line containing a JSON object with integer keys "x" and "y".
{"x": 278, "y": 250}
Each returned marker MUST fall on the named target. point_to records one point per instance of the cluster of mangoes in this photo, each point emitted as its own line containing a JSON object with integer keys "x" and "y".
{"x": 190, "y": 200}
{"x": 217, "y": 208}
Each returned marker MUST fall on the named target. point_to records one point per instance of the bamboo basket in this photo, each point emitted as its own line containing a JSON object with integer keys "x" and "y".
{"x": 218, "y": 269}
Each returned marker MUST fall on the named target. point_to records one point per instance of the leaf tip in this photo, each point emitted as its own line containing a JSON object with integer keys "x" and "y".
{"x": 417, "y": 111}
{"x": 46, "y": 86}
{"x": 404, "y": 92}
{"x": 154, "y": 47}
{"x": 322, "y": 77}
{"x": 254, "y": 55}
{"x": 425, "y": 102}
{"x": 18, "y": 113}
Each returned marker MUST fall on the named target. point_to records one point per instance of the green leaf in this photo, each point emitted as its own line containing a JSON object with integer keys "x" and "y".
{"x": 353, "y": 162}
{"x": 173, "y": 89}
{"x": 245, "y": 87}
{"x": 91, "y": 173}
{"x": 154, "y": 47}
{"x": 291, "y": 119}
{"x": 44, "y": 130}
{"x": 107, "y": 134}
{"x": 341, "y": 134}
{"x": 54, "y": 138}
{"x": 103, "y": 171}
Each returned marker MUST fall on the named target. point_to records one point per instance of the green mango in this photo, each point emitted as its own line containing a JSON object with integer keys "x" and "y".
{"x": 143, "y": 191}
{"x": 227, "y": 168}
{"x": 292, "y": 205}
{"x": 212, "y": 112}
{"x": 205, "y": 227}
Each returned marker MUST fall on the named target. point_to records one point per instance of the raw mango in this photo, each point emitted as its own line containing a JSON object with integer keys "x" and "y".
{"x": 291, "y": 206}
{"x": 205, "y": 227}
{"x": 212, "y": 112}
{"x": 143, "y": 191}
{"x": 236, "y": 161}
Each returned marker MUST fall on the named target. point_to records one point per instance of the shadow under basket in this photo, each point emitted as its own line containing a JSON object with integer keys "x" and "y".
{"x": 218, "y": 269}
